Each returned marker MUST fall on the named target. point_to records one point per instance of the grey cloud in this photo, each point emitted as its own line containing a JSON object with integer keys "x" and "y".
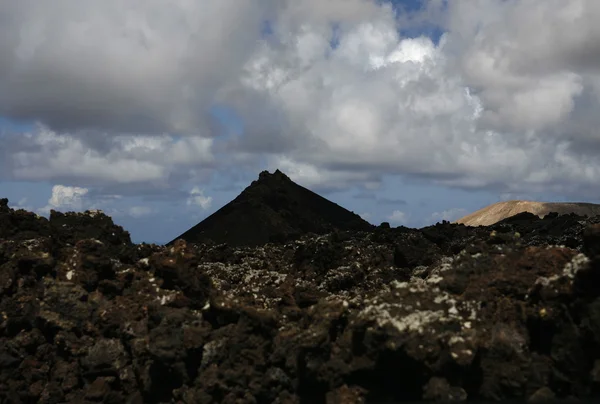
{"x": 151, "y": 162}
{"x": 138, "y": 66}
{"x": 380, "y": 200}
{"x": 391, "y": 201}
{"x": 477, "y": 111}
{"x": 505, "y": 101}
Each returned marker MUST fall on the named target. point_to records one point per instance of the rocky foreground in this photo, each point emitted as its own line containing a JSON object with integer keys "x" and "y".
{"x": 445, "y": 313}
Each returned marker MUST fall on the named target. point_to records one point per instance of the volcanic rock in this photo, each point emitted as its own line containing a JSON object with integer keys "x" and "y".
{"x": 499, "y": 211}
{"x": 445, "y": 313}
{"x": 273, "y": 209}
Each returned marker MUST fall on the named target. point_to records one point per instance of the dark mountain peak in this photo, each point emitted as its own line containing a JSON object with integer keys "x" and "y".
{"x": 273, "y": 208}
{"x": 278, "y": 175}
{"x": 277, "y": 178}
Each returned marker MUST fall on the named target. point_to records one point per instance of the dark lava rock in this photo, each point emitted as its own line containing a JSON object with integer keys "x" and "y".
{"x": 72, "y": 227}
{"x": 446, "y": 313}
{"x": 273, "y": 209}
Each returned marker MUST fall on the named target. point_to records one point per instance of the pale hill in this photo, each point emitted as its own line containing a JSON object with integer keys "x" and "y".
{"x": 498, "y": 211}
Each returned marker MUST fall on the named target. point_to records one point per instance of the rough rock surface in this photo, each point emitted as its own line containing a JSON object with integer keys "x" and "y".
{"x": 444, "y": 313}
{"x": 273, "y": 209}
{"x": 499, "y": 211}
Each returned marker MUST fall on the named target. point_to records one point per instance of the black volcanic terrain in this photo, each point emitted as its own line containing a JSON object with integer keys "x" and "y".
{"x": 273, "y": 209}
{"x": 507, "y": 312}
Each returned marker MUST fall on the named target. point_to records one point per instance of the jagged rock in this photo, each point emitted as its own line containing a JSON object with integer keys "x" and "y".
{"x": 92, "y": 224}
{"x": 444, "y": 313}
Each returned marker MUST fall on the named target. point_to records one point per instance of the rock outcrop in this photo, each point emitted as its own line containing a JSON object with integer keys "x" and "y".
{"x": 444, "y": 313}
{"x": 499, "y": 211}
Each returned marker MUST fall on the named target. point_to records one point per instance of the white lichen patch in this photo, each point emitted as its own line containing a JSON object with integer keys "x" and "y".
{"x": 577, "y": 263}
{"x": 262, "y": 278}
{"x": 415, "y": 321}
{"x": 94, "y": 212}
{"x": 399, "y": 285}
{"x": 436, "y": 275}
{"x": 400, "y": 312}
{"x": 444, "y": 265}
{"x": 167, "y": 297}
{"x": 116, "y": 263}
{"x": 455, "y": 339}
{"x": 31, "y": 244}
{"x": 246, "y": 281}
{"x": 144, "y": 263}
{"x": 210, "y": 352}
{"x": 434, "y": 279}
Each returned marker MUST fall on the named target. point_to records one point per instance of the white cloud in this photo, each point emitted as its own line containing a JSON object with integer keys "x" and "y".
{"x": 376, "y": 103}
{"x": 315, "y": 177}
{"x": 65, "y": 198}
{"x": 142, "y": 66}
{"x": 524, "y": 68}
{"x": 398, "y": 217}
{"x": 476, "y": 110}
{"x": 77, "y": 199}
{"x": 197, "y": 198}
{"x": 46, "y": 155}
{"x": 504, "y": 100}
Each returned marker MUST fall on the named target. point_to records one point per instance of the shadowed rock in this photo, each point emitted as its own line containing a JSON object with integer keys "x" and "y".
{"x": 445, "y": 313}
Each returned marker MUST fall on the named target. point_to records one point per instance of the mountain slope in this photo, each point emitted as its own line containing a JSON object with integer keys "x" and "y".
{"x": 273, "y": 208}
{"x": 499, "y": 211}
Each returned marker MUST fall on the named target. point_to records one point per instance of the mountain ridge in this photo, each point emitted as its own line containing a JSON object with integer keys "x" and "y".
{"x": 498, "y": 211}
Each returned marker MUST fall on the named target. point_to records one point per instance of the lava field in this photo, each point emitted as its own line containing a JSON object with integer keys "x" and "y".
{"x": 327, "y": 309}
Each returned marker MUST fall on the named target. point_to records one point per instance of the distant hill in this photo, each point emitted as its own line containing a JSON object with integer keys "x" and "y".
{"x": 273, "y": 208}
{"x": 499, "y": 211}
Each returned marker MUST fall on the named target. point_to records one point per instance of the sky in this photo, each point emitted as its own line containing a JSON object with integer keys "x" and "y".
{"x": 159, "y": 112}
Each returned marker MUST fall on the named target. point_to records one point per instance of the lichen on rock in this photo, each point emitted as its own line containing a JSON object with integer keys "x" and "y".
{"x": 443, "y": 313}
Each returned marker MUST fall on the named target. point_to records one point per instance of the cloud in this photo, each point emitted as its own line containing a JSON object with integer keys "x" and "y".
{"x": 197, "y": 198}
{"x": 139, "y": 66}
{"x": 528, "y": 74}
{"x": 76, "y": 199}
{"x": 44, "y": 154}
{"x": 477, "y": 110}
{"x": 139, "y": 211}
{"x": 332, "y": 93}
{"x": 450, "y": 215}
{"x": 398, "y": 217}
{"x": 65, "y": 198}
{"x": 322, "y": 179}
{"x": 380, "y": 200}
